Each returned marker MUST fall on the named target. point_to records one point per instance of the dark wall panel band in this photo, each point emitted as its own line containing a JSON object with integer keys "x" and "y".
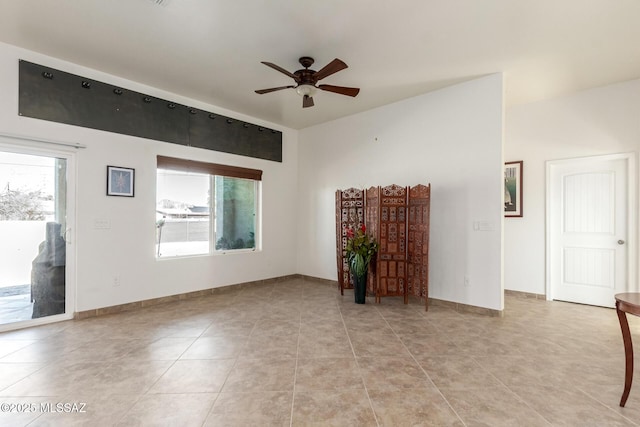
{"x": 54, "y": 95}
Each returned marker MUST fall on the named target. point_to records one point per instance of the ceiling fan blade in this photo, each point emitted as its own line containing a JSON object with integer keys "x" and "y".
{"x": 273, "y": 89}
{"x": 282, "y": 70}
{"x": 332, "y": 67}
{"x": 307, "y": 101}
{"x": 349, "y": 91}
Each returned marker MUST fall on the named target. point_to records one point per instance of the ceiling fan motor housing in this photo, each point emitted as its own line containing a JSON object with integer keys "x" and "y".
{"x": 306, "y": 61}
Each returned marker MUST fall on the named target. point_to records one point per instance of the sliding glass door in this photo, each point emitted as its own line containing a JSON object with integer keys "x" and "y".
{"x": 33, "y": 238}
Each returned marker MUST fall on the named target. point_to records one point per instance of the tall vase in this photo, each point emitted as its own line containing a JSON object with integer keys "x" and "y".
{"x": 360, "y": 288}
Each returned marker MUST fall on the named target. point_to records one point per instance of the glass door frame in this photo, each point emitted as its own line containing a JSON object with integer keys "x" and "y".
{"x": 36, "y": 147}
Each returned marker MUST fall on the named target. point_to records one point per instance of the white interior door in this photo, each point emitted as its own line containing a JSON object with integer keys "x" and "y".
{"x": 589, "y": 238}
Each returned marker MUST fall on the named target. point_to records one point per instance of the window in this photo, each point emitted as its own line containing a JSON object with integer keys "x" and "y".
{"x": 204, "y": 208}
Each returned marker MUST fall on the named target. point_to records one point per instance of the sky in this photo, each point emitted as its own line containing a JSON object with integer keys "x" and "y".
{"x": 190, "y": 188}
{"x": 26, "y": 172}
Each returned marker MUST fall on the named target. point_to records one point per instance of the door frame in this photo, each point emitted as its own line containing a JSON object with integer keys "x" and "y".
{"x": 632, "y": 214}
{"x": 40, "y": 147}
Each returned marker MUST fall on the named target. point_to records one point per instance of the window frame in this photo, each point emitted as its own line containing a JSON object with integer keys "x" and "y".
{"x": 214, "y": 220}
{"x": 213, "y": 170}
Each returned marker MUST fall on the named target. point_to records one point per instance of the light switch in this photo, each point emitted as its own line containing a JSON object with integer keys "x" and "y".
{"x": 101, "y": 224}
{"x": 483, "y": 226}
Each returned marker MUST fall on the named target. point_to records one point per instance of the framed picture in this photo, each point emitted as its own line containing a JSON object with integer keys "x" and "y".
{"x": 513, "y": 188}
{"x": 120, "y": 181}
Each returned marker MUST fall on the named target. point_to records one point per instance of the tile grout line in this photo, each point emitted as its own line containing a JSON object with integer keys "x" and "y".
{"x": 516, "y": 395}
{"x": 609, "y": 408}
{"x": 115, "y": 334}
{"x": 235, "y": 362}
{"x": 167, "y": 370}
{"x": 366, "y": 390}
{"x": 295, "y": 371}
{"x": 230, "y": 369}
{"x": 422, "y": 369}
{"x": 505, "y": 386}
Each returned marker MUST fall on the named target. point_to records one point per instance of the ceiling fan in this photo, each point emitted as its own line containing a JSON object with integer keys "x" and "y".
{"x": 307, "y": 80}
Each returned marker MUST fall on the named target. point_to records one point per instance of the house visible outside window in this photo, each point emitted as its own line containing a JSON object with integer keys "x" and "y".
{"x": 205, "y": 208}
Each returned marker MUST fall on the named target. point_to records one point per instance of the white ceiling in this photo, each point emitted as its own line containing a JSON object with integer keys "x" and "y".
{"x": 210, "y": 50}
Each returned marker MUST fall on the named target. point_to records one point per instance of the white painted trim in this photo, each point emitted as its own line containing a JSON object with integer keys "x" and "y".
{"x": 632, "y": 226}
{"x": 632, "y": 216}
{"x": 547, "y": 230}
{"x": 6, "y": 137}
{"x": 35, "y": 322}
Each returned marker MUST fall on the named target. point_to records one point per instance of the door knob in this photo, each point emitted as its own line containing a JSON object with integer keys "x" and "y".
{"x": 621, "y": 242}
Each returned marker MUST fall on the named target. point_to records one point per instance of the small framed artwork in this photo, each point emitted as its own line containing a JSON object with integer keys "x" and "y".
{"x": 120, "y": 181}
{"x": 513, "y": 189}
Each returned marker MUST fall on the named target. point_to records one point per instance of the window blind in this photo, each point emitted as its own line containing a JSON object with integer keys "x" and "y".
{"x": 185, "y": 165}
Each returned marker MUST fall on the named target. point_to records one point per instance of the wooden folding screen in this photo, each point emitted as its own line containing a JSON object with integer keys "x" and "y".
{"x": 372, "y": 219}
{"x": 418, "y": 248}
{"x": 392, "y": 237}
{"x": 349, "y": 214}
{"x": 398, "y": 218}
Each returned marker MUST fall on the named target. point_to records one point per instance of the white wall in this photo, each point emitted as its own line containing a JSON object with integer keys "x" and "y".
{"x": 598, "y": 121}
{"x": 127, "y": 248}
{"x": 451, "y": 138}
{"x": 19, "y": 249}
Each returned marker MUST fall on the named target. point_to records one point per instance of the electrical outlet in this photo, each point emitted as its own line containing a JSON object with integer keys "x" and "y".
{"x": 467, "y": 281}
{"x": 116, "y": 281}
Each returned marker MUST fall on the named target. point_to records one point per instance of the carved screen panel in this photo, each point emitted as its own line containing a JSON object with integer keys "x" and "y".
{"x": 418, "y": 241}
{"x": 372, "y": 212}
{"x": 349, "y": 214}
{"x": 392, "y": 256}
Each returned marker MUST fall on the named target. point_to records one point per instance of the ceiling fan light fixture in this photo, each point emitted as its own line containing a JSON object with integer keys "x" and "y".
{"x": 308, "y": 90}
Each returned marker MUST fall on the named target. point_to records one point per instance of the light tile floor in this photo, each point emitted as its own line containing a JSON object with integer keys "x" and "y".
{"x": 297, "y": 353}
